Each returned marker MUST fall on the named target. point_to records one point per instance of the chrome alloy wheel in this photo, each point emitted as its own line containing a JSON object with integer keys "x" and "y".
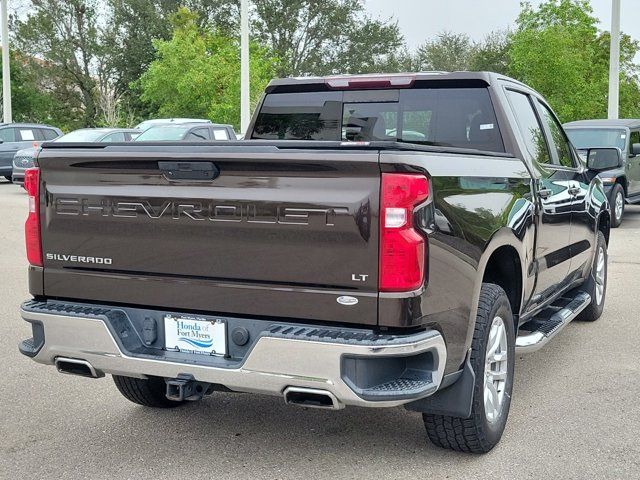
{"x": 601, "y": 269}
{"x": 619, "y": 205}
{"x": 495, "y": 370}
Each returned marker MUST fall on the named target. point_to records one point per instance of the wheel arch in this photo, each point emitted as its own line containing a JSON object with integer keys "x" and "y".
{"x": 506, "y": 247}
{"x": 603, "y": 224}
{"x": 622, "y": 181}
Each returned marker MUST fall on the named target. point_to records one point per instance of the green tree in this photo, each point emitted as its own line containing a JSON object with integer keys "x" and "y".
{"x": 30, "y": 101}
{"x": 135, "y": 24}
{"x": 558, "y": 50}
{"x": 457, "y": 52}
{"x": 320, "y": 38}
{"x": 196, "y": 73}
{"x": 491, "y": 53}
{"x": 64, "y": 45}
{"x": 448, "y": 52}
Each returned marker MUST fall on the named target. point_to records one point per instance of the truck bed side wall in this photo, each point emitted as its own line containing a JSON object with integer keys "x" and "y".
{"x": 479, "y": 205}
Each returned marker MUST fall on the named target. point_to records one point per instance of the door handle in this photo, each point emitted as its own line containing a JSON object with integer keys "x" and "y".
{"x": 189, "y": 170}
{"x": 544, "y": 193}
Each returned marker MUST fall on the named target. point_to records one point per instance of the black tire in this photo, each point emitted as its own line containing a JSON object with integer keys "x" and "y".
{"x": 477, "y": 434}
{"x": 9, "y": 178}
{"x": 149, "y": 392}
{"x": 617, "y": 192}
{"x": 595, "y": 308}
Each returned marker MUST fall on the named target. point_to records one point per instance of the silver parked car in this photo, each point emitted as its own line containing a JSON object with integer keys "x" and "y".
{"x": 24, "y": 158}
{"x": 147, "y": 124}
{"x": 189, "y": 132}
{"x": 101, "y": 135}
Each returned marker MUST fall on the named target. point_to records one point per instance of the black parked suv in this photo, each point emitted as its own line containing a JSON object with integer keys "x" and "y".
{"x": 16, "y": 136}
{"x": 621, "y": 183}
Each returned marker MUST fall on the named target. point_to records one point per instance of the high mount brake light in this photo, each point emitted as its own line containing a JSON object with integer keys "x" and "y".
{"x": 391, "y": 81}
{"x": 402, "y": 247}
{"x": 32, "y": 225}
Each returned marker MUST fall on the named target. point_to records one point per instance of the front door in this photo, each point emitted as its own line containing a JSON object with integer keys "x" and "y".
{"x": 632, "y": 168}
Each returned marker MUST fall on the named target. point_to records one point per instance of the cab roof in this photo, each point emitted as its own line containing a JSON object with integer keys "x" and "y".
{"x": 622, "y": 122}
{"x": 381, "y": 80}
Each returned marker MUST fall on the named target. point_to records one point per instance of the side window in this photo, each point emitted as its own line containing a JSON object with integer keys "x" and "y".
{"x": 560, "y": 141}
{"x": 529, "y": 126}
{"x": 199, "y": 134}
{"x": 39, "y": 133}
{"x": 220, "y": 134}
{"x": 633, "y": 138}
{"x": 113, "y": 137}
{"x": 8, "y": 134}
{"x": 27, "y": 135}
{"x": 48, "y": 134}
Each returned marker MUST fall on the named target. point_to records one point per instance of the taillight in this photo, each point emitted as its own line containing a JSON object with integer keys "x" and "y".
{"x": 402, "y": 248}
{"x": 32, "y": 225}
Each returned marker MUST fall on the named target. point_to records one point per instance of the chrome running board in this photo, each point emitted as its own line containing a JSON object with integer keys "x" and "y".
{"x": 536, "y": 333}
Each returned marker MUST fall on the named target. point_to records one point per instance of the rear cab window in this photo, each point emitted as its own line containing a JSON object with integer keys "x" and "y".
{"x": 452, "y": 116}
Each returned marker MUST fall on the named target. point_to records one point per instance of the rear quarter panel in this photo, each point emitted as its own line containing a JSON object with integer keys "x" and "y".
{"x": 477, "y": 205}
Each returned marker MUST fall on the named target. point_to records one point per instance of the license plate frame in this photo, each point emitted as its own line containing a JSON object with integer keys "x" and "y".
{"x": 195, "y": 335}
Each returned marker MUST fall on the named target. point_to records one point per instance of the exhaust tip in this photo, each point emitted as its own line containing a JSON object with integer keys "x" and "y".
{"x": 74, "y": 366}
{"x": 309, "y": 397}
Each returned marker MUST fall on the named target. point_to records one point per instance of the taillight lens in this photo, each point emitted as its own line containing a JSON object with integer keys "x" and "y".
{"x": 32, "y": 225}
{"x": 402, "y": 248}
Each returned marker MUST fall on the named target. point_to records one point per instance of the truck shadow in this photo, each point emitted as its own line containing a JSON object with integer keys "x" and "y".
{"x": 252, "y": 431}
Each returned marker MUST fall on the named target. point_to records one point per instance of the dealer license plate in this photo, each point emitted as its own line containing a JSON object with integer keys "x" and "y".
{"x": 195, "y": 335}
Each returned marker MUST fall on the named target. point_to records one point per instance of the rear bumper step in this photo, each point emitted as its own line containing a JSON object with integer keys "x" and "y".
{"x": 332, "y": 367}
{"x": 536, "y": 333}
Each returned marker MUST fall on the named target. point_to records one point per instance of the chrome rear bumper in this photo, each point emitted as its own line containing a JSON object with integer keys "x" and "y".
{"x": 276, "y": 361}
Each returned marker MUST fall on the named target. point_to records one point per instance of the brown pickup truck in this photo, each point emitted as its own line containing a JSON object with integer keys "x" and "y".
{"x": 375, "y": 241}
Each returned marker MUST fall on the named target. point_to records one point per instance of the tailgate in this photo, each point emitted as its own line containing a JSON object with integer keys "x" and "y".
{"x": 241, "y": 230}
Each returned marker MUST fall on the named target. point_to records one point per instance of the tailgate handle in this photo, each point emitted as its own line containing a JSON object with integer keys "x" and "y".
{"x": 189, "y": 170}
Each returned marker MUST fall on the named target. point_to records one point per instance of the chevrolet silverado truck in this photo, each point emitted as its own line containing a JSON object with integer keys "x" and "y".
{"x": 376, "y": 241}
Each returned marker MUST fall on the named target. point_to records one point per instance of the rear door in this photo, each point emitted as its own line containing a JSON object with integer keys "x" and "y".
{"x": 273, "y": 233}
{"x": 552, "y": 187}
{"x": 582, "y": 217}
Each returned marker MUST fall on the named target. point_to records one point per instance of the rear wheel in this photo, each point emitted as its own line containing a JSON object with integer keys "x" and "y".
{"x": 149, "y": 392}
{"x": 492, "y": 360}
{"x": 8, "y": 177}
{"x": 617, "y": 205}
{"x": 596, "y": 285}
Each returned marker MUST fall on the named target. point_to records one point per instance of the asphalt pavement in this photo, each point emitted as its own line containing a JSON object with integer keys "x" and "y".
{"x": 575, "y": 411}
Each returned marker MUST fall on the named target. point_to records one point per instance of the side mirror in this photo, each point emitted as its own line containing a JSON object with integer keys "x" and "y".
{"x": 635, "y": 149}
{"x": 599, "y": 159}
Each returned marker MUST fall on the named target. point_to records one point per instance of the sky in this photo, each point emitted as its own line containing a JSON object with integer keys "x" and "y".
{"x": 420, "y": 20}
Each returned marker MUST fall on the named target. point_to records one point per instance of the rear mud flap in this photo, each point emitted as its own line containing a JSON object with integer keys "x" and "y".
{"x": 454, "y": 400}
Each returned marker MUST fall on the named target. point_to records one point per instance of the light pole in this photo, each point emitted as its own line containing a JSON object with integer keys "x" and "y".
{"x": 244, "y": 65}
{"x": 6, "y": 70}
{"x": 614, "y": 61}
